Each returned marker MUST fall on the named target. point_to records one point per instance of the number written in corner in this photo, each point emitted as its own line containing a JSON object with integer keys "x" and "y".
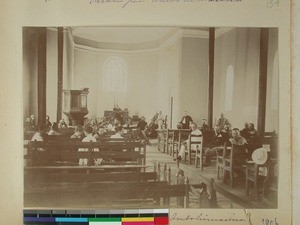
{"x": 269, "y": 222}
{"x": 272, "y": 3}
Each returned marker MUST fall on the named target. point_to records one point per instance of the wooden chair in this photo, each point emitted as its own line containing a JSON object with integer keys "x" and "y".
{"x": 193, "y": 145}
{"x": 270, "y": 138}
{"x": 171, "y": 141}
{"x": 161, "y": 140}
{"x": 220, "y": 160}
{"x": 199, "y": 154}
{"x": 234, "y": 159}
{"x": 252, "y": 175}
{"x": 179, "y": 137}
{"x": 270, "y": 186}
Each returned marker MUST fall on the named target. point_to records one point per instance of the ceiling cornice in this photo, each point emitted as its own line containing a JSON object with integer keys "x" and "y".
{"x": 139, "y": 48}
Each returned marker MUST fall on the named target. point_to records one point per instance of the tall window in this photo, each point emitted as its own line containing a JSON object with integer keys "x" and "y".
{"x": 229, "y": 88}
{"x": 115, "y": 75}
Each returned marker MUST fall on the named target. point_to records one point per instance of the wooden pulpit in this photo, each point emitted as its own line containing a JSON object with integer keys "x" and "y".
{"x": 75, "y": 106}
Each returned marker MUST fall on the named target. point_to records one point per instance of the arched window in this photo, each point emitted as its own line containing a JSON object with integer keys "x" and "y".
{"x": 229, "y": 88}
{"x": 115, "y": 75}
{"x": 274, "y": 101}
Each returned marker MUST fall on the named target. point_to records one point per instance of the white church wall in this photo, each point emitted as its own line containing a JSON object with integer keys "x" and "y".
{"x": 238, "y": 48}
{"x": 141, "y": 80}
{"x": 194, "y": 78}
{"x": 169, "y": 65}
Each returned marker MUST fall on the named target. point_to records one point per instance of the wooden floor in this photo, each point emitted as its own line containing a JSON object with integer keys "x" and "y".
{"x": 227, "y": 197}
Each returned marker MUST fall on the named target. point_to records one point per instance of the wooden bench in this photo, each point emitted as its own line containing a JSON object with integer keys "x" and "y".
{"x": 102, "y": 194}
{"x": 46, "y": 153}
{"x": 65, "y": 187}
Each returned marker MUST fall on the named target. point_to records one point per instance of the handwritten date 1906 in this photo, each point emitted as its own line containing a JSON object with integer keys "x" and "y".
{"x": 269, "y": 222}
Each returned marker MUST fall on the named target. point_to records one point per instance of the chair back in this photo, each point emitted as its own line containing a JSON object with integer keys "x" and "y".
{"x": 196, "y": 141}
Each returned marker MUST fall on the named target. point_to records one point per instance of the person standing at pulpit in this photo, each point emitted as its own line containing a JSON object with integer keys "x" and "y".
{"x": 185, "y": 121}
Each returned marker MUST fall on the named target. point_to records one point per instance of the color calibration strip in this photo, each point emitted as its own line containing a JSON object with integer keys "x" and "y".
{"x": 97, "y": 217}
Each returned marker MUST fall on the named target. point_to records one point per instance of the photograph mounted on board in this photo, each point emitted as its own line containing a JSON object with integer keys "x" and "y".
{"x": 150, "y": 117}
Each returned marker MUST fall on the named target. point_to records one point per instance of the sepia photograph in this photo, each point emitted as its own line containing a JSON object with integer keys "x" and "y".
{"x": 149, "y": 117}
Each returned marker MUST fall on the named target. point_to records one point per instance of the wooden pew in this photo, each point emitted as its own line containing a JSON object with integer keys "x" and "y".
{"x": 45, "y": 153}
{"x": 102, "y": 195}
{"x": 43, "y": 189}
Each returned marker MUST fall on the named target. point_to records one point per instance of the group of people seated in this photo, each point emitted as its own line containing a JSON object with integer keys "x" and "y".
{"x": 214, "y": 139}
{"x": 30, "y": 124}
{"x": 84, "y": 133}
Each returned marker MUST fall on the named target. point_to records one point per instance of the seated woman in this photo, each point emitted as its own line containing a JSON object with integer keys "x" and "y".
{"x": 79, "y": 132}
{"x": 54, "y": 129}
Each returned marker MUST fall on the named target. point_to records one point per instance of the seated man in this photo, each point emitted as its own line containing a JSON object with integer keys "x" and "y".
{"x": 79, "y": 132}
{"x": 252, "y": 139}
{"x": 119, "y": 132}
{"x": 245, "y": 131}
{"x": 48, "y": 123}
{"x": 252, "y": 132}
{"x": 62, "y": 124}
{"x": 220, "y": 137}
{"x": 204, "y": 127}
{"x": 152, "y": 130}
{"x": 99, "y": 135}
{"x": 237, "y": 139}
{"x": 54, "y": 129}
{"x": 141, "y": 126}
{"x": 88, "y": 131}
{"x": 40, "y": 133}
{"x": 185, "y": 144}
{"x": 222, "y": 121}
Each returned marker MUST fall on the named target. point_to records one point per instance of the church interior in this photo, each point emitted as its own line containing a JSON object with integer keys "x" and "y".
{"x": 150, "y": 117}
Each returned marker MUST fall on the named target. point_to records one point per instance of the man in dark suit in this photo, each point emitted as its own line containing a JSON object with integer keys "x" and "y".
{"x": 186, "y": 120}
